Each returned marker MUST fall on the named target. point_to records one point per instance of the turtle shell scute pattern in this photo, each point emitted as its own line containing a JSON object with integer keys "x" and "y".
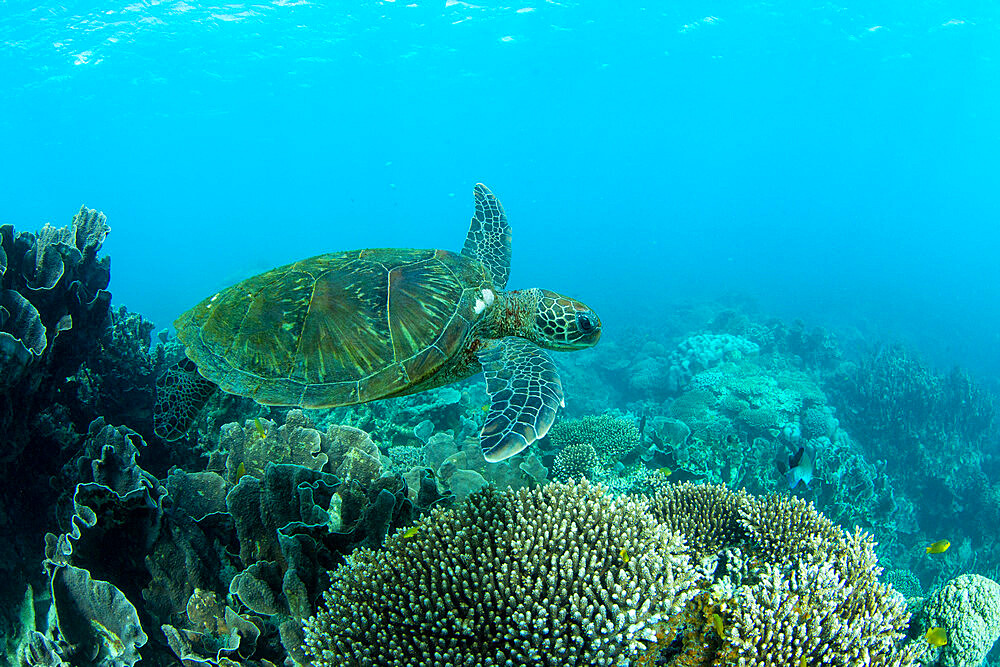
{"x": 337, "y": 329}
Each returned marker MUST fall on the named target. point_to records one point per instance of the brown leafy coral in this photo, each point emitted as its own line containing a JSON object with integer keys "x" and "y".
{"x": 559, "y": 575}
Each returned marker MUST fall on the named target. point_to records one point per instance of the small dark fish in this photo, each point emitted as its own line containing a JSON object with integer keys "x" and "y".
{"x": 796, "y": 458}
{"x": 800, "y": 468}
{"x": 656, "y": 440}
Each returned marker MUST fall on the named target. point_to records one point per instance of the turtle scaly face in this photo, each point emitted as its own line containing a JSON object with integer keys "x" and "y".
{"x": 562, "y": 323}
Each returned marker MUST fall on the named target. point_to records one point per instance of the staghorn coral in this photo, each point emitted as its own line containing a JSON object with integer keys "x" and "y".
{"x": 611, "y": 437}
{"x": 788, "y": 588}
{"x": 560, "y": 575}
{"x": 786, "y": 530}
{"x": 831, "y": 610}
{"x": 574, "y": 461}
{"x": 709, "y": 516}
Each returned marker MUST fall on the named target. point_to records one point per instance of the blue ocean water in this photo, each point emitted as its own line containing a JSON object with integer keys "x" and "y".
{"x": 834, "y": 162}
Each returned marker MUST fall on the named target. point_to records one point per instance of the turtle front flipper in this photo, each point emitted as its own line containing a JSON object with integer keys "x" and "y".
{"x": 181, "y": 393}
{"x": 489, "y": 236}
{"x": 525, "y": 393}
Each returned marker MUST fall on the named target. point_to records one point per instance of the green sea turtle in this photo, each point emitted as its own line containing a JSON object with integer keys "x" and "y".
{"x": 352, "y": 327}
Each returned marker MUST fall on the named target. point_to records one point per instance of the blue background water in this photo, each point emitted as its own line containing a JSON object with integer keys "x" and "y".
{"x": 835, "y": 162}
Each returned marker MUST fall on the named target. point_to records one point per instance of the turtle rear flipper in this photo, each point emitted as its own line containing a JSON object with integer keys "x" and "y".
{"x": 489, "y": 238}
{"x": 525, "y": 391}
{"x": 181, "y": 393}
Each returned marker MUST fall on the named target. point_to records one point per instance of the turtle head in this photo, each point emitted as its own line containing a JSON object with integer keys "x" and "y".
{"x": 562, "y": 323}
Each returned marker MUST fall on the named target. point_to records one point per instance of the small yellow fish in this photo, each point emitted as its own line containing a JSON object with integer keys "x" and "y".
{"x": 240, "y": 471}
{"x": 939, "y": 547}
{"x": 625, "y": 555}
{"x": 936, "y": 637}
{"x": 666, "y": 472}
{"x": 718, "y": 625}
{"x": 261, "y": 431}
{"x": 410, "y": 532}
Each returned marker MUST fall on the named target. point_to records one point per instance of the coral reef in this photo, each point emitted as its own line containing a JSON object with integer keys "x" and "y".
{"x": 215, "y": 567}
{"x": 739, "y": 423}
{"x": 53, "y": 301}
{"x": 560, "y": 575}
{"x": 459, "y": 408}
{"x": 215, "y": 549}
{"x": 118, "y": 505}
{"x": 936, "y": 433}
{"x": 700, "y": 352}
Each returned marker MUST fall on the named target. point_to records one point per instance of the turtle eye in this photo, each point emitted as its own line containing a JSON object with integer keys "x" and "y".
{"x": 584, "y": 322}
